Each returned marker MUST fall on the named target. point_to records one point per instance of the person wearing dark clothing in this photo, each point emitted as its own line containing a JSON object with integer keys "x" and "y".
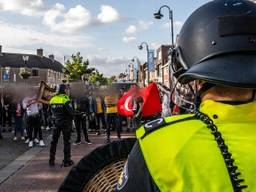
{"x": 92, "y": 111}
{"x": 62, "y": 116}
{"x": 18, "y": 121}
{"x": 1, "y": 119}
{"x": 81, "y": 105}
{"x": 7, "y": 113}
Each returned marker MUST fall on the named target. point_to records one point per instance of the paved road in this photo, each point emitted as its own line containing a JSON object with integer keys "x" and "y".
{"x": 37, "y": 176}
{"x": 10, "y": 150}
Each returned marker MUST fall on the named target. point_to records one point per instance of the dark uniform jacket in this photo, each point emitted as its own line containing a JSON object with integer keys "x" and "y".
{"x": 61, "y": 109}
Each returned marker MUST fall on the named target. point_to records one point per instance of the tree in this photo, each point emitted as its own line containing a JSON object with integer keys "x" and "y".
{"x": 96, "y": 76}
{"x": 76, "y": 67}
{"x": 111, "y": 80}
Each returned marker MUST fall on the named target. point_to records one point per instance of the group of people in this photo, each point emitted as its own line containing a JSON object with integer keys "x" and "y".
{"x": 91, "y": 109}
{"x": 23, "y": 116}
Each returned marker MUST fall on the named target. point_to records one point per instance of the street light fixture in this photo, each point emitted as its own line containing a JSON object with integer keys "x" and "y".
{"x": 159, "y": 15}
{"x": 140, "y": 47}
{"x": 25, "y": 74}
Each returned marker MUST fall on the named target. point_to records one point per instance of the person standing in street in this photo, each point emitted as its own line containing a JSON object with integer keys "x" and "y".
{"x": 82, "y": 106}
{"x": 62, "y": 116}
{"x": 92, "y": 110}
{"x": 212, "y": 149}
{"x": 100, "y": 114}
{"x": 18, "y": 120}
{"x": 111, "y": 110}
{"x": 32, "y": 108}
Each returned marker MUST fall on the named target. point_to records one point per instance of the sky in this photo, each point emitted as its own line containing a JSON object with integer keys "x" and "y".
{"x": 107, "y": 32}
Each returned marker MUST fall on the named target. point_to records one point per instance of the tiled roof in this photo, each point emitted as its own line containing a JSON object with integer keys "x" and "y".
{"x": 15, "y": 60}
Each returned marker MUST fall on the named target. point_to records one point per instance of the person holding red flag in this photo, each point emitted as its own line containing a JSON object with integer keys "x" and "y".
{"x": 140, "y": 103}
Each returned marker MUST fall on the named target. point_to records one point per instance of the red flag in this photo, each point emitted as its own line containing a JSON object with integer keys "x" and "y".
{"x": 125, "y": 103}
{"x": 151, "y": 100}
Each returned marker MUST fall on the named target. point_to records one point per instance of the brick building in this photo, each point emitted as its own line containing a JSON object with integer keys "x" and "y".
{"x": 41, "y": 68}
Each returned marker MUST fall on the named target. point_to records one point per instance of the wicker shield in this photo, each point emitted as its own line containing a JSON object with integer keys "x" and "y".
{"x": 100, "y": 170}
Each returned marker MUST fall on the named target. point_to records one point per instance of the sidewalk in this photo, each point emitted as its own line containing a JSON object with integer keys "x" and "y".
{"x": 36, "y": 176}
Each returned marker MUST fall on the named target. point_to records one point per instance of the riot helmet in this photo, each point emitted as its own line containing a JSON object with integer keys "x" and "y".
{"x": 61, "y": 89}
{"x": 217, "y": 44}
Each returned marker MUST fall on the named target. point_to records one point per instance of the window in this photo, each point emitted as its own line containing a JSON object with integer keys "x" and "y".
{"x": 35, "y": 72}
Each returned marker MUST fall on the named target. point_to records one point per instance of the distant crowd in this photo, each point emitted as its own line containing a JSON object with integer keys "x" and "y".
{"x": 25, "y": 117}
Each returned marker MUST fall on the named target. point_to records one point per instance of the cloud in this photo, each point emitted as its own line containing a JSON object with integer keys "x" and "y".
{"x": 144, "y": 25}
{"x": 131, "y": 29}
{"x": 108, "y": 14}
{"x": 18, "y": 36}
{"x": 109, "y": 66}
{"x": 155, "y": 45}
{"x": 24, "y": 7}
{"x": 128, "y": 39}
{"x": 67, "y": 22}
{"x": 140, "y": 26}
{"x": 176, "y": 24}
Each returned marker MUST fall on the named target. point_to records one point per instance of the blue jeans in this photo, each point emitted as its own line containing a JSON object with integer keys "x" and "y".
{"x": 18, "y": 126}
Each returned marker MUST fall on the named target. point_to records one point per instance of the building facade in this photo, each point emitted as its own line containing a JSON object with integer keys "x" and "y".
{"x": 39, "y": 68}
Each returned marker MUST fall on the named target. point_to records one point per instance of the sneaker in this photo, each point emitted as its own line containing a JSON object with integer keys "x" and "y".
{"x": 51, "y": 163}
{"x": 98, "y": 133}
{"x": 88, "y": 142}
{"x": 36, "y": 140}
{"x": 27, "y": 141}
{"x": 22, "y": 138}
{"x": 48, "y": 128}
{"x": 41, "y": 143}
{"x": 43, "y": 127}
{"x": 77, "y": 143}
{"x": 67, "y": 163}
{"x": 30, "y": 144}
{"x": 14, "y": 139}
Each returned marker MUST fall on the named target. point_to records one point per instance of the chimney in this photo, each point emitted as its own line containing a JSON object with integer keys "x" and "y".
{"x": 51, "y": 57}
{"x": 40, "y": 52}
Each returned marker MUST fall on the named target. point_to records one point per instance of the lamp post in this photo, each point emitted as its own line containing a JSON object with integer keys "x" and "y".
{"x": 136, "y": 59}
{"x": 140, "y": 48}
{"x": 25, "y": 74}
{"x": 159, "y": 15}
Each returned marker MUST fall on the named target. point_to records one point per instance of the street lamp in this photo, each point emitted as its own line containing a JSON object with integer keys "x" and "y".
{"x": 140, "y": 47}
{"x": 25, "y": 74}
{"x": 136, "y": 59}
{"x": 159, "y": 15}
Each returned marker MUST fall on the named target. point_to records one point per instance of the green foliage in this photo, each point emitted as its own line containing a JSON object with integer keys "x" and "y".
{"x": 96, "y": 76}
{"x": 111, "y": 80}
{"x": 76, "y": 67}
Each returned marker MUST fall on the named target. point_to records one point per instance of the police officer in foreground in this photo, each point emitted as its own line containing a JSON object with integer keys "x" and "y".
{"x": 62, "y": 115}
{"x": 212, "y": 149}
